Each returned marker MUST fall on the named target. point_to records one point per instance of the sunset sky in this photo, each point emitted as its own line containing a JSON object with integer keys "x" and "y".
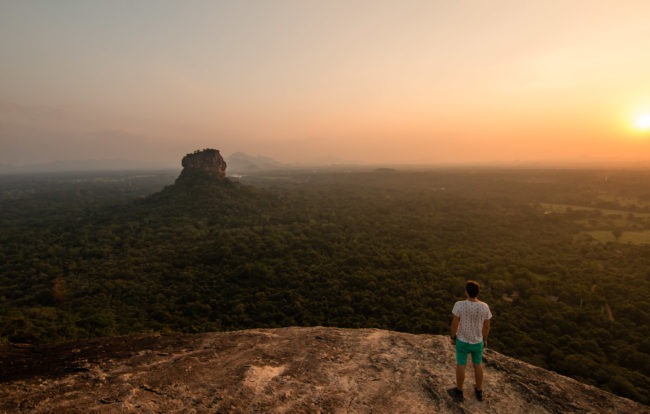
{"x": 431, "y": 82}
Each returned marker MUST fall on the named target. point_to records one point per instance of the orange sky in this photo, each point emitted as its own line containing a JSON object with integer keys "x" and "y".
{"x": 361, "y": 81}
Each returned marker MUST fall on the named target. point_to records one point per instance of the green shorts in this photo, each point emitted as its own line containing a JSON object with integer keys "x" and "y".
{"x": 463, "y": 348}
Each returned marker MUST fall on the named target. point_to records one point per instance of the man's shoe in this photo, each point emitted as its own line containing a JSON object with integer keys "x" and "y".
{"x": 479, "y": 394}
{"x": 456, "y": 394}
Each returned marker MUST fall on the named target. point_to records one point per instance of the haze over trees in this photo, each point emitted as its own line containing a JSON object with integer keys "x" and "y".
{"x": 563, "y": 258}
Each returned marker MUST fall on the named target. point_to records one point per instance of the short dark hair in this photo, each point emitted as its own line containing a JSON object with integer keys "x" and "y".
{"x": 472, "y": 288}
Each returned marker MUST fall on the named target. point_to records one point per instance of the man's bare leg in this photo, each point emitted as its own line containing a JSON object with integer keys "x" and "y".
{"x": 460, "y": 376}
{"x": 478, "y": 376}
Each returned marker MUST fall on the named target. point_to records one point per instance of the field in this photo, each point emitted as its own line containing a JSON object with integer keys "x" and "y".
{"x": 607, "y": 225}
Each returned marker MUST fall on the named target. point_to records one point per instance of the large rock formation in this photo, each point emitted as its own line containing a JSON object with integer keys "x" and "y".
{"x": 287, "y": 370}
{"x": 207, "y": 160}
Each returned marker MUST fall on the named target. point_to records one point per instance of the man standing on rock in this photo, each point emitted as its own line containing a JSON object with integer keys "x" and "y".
{"x": 469, "y": 332}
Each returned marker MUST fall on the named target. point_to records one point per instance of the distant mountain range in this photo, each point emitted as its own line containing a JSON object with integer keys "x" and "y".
{"x": 240, "y": 163}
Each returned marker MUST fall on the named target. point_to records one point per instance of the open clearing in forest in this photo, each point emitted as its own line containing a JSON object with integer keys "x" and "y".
{"x": 563, "y": 208}
{"x": 633, "y": 237}
{"x": 623, "y": 201}
{"x": 616, "y": 219}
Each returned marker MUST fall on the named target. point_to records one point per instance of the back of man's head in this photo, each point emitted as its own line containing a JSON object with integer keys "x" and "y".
{"x": 472, "y": 288}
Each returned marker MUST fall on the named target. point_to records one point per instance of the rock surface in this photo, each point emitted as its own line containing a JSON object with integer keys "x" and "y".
{"x": 207, "y": 160}
{"x": 286, "y": 370}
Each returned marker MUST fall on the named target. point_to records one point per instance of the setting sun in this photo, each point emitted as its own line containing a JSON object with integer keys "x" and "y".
{"x": 643, "y": 122}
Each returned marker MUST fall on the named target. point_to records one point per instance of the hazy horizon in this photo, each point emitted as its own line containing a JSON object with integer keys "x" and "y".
{"x": 366, "y": 82}
{"x": 106, "y": 165}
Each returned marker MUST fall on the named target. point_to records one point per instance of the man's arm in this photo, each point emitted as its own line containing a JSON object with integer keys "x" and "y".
{"x": 486, "y": 331}
{"x": 454, "y": 328}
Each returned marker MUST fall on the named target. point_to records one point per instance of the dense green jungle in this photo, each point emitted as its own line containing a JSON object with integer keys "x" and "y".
{"x": 563, "y": 258}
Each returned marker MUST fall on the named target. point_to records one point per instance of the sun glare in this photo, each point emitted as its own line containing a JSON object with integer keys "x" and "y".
{"x": 643, "y": 122}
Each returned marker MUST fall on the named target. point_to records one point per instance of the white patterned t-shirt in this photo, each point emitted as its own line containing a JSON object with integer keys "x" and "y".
{"x": 472, "y": 315}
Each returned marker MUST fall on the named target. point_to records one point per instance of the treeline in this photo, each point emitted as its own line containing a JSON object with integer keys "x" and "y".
{"x": 384, "y": 250}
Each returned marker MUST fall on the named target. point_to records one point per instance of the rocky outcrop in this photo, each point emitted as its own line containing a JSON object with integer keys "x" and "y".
{"x": 287, "y": 370}
{"x": 207, "y": 160}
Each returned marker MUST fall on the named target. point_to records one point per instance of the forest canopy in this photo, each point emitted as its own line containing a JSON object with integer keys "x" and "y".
{"x": 563, "y": 258}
